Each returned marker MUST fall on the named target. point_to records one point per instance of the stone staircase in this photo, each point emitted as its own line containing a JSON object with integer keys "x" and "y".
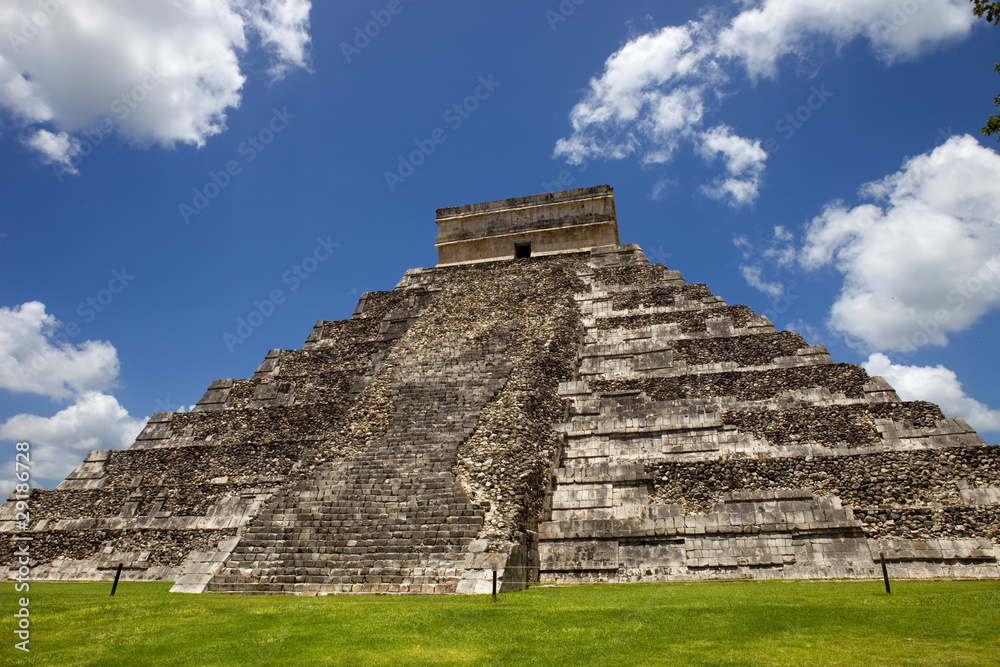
{"x": 391, "y": 519}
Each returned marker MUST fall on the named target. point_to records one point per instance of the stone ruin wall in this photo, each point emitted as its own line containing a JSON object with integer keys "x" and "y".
{"x": 550, "y": 223}
{"x": 571, "y": 418}
{"x": 423, "y": 425}
{"x": 701, "y": 443}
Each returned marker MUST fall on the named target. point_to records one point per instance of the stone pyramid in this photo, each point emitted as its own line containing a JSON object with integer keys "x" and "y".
{"x": 544, "y": 404}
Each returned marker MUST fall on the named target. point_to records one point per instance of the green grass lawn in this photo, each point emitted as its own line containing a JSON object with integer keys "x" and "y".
{"x": 723, "y": 623}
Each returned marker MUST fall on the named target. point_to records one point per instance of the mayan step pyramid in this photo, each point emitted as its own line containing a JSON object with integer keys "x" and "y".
{"x": 545, "y": 404}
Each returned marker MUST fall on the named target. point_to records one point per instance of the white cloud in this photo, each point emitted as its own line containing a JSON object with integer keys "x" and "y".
{"x": 780, "y": 251}
{"x": 632, "y": 74}
{"x": 741, "y": 156}
{"x": 935, "y": 384}
{"x": 94, "y": 421}
{"x": 736, "y": 192}
{"x": 32, "y": 360}
{"x": 743, "y": 160}
{"x": 650, "y": 98}
{"x": 752, "y": 274}
{"x": 760, "y": 35}
{"x": 283, "y": 27}
{"x": 160, "y": 72}
{"x": 922, "y": 262}
{"x": 58, "y": 443}
{"x": 55, "y": 148}
{"x": 782, "y": 234}
{"x": 651, "y": 89}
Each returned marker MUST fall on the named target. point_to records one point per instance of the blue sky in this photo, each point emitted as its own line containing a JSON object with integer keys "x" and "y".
{"x": 169, "y": 171}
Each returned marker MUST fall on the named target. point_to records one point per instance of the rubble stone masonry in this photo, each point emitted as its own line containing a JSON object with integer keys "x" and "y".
{"x": 577, "y": 415}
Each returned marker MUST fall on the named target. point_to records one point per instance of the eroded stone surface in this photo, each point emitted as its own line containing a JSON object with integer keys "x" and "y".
{"x": 700, "y": 443}
{"x": 576, "y": 416}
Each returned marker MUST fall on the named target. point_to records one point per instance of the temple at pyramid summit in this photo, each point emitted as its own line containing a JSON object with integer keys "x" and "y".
{"x": 544, "y": 404}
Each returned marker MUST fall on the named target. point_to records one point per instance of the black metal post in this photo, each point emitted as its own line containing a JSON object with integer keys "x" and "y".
{"x": 494, "y": 585}
{"x": 114, "y": 586}
{"x": 885, "y": 572}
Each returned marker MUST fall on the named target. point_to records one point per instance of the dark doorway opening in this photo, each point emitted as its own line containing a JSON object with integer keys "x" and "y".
{"x": 522, "y": 250}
